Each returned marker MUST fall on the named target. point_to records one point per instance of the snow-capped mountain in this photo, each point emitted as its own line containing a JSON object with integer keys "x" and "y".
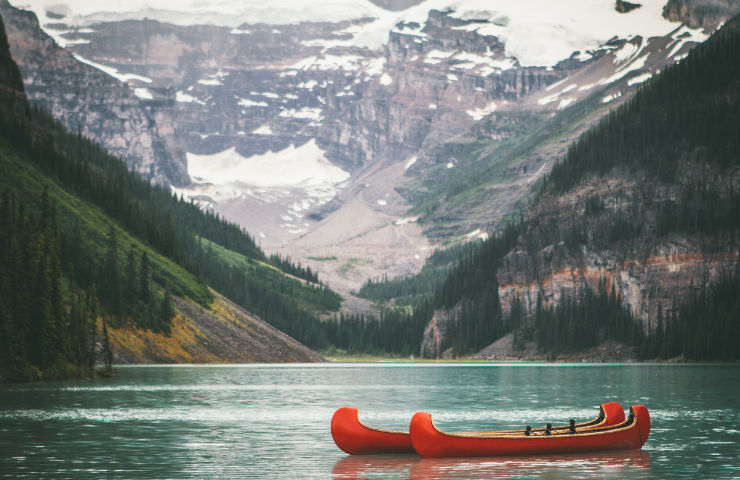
{"x": 537, "y": 33}
{"x": 317, "y": 125}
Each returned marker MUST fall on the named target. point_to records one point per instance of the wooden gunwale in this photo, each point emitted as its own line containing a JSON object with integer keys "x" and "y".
{"x": 597, "y": 422}
{"x": 629, "y": 423}
{"x": 378, "y": 429}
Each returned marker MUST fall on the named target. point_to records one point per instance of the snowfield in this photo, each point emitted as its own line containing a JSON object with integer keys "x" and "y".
{"x": 294, "y": 167}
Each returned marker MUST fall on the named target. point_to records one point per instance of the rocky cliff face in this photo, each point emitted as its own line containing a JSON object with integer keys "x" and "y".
{"x": 438, "y": 79}
{"x": 95, "y": 103}
{"x": 572, "y": 245}
{"x": 10, "y": 76}
{"x": 432, "y": 343}
{"x": 706, "y": 14}
{"x": 652, "y": 273}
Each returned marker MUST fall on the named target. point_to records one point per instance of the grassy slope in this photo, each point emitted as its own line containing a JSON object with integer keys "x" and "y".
{"x": 481, "y": 176}
{"x": 300, "y": 291}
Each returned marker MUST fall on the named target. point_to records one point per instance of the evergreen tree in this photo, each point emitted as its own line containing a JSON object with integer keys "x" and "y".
{"x": 107, "y": 351}
{"x": 144, "y": 289}
{"x": 130, "y": 290}
{"x": 111, "y": 288}
{"x": 166, "y": 312}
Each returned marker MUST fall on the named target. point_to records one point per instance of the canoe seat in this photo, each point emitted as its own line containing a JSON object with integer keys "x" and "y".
{"x": 572, "y": 426}
{"x": 548, "y": 430}
{"x": 528, "y": 431}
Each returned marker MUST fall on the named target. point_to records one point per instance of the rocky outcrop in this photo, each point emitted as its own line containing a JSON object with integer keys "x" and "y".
{"x": 10, "y": 76}
{"x": 706, "y": 14}
{"x": 435, "y": 334}
{"x": 626, "y": 7}
{"x": 94, "y": 103}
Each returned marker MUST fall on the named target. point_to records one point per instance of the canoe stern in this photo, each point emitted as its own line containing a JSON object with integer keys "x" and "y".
{"x": 643, "y": 422}
{"x": 613, "y": 412}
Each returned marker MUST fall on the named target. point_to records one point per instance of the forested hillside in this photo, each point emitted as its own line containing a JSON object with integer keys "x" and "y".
{"x": 84, "y": 238}
{"x": 641, "y": 221}
{"x": 633, "y": 237}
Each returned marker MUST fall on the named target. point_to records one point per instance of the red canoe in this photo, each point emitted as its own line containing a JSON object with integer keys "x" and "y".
{"x": 430, "y": 442}
{"x": 356, "y": 438}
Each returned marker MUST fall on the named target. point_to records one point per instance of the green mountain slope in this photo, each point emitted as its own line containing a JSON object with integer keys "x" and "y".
{"x": 83, "y": 238}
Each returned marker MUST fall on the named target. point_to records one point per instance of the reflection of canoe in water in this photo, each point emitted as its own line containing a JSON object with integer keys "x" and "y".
{"x": 356, "y": 438}
{"x": 620, "y": 464}
{"x": 359, "y": 467}
{"x": 430, "y": 442}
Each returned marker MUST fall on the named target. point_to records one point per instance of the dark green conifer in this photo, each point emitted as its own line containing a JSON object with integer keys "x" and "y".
{"x": 111, "y": 288}
{"x": 131, "y": 287}
{"x": 166, "y": 312}
{"x": 144, "y": 289}
{"x": 107, "y": 351}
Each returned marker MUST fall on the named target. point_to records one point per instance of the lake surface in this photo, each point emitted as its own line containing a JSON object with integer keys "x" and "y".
{"x": 272, "y": 421}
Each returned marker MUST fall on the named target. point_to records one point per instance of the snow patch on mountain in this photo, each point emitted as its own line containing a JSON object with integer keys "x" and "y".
{"x": 113, "y": 72}
{"x": 307, "y": 113}
{"x": 640, "y": 78}
{"x": 683, "y": 35}
{"x": 143, "y": 93}
{"x": 293, "y": 167}
{"x": 537, "y": 33}
{"x": 479, "y": 113}
{"x": 330, "y": 62}
{"x": 263, "y": 130}
{"x": 611, "y": 97}
{"x": 181, "y": 96}
{"x": 246, "y": 102}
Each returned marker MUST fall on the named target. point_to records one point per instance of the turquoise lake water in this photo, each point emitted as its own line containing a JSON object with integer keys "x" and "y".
{"x": 272, "y": 421}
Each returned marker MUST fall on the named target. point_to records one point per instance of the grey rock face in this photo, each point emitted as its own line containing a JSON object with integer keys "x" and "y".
{"x": 707, "y": 14}
{"x": 432, "y": 89}
{"x": 94, "y": 103}
{"x": 10, "y": 76}
{"x": 435, "y": 333}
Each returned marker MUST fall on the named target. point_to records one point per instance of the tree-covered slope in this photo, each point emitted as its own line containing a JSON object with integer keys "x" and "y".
{"x": 84, "y": 238}
{"x": 644, "y": 213}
